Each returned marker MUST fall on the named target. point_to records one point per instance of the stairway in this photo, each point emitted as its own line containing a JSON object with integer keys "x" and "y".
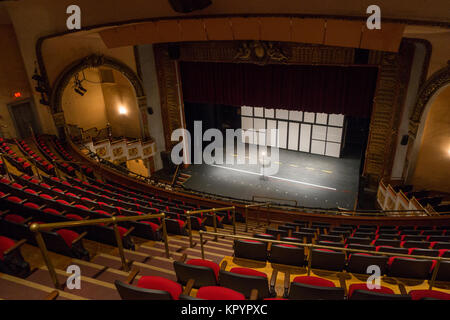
{"x": 181, "y": 179}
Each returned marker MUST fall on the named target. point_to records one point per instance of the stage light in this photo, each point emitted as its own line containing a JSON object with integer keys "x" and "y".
{"x": 81, "y": 93}
{"x": 40, "y": 89}
{"x": 17, "y": 94}
{"x": 122, "y": 110}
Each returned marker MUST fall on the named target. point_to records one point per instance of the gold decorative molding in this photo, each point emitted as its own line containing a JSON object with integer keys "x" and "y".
{"x": 394, "y": 70}
{"x": 437, "y": 80}
{"x": 168, "y": 90}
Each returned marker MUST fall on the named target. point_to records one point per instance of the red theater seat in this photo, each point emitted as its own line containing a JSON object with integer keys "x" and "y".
{"x": 68, "y": 236}
{"x": 363, "y": 286}
{"x": 314, "y": 288}
{"x": 219, "y": 293}
{"x": 248, "y": 272}
{"x": 429, "y": 294}
{"x": 162, "y": 284}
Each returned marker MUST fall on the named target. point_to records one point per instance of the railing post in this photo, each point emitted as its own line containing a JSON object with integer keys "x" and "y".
{"x": 41, "y": 243}
{"x": 309, "y": 259}
{"x": 246, "y": 218}
{"x": 234, "y": 220}
{"x": 120, "y": 246}
{"x": 166, "y": 241}
{"x": 435, "y": 271}
{"x": 215, "y": 224}
{"x": 201, "y": 244}
{"x": 189, "y": 228}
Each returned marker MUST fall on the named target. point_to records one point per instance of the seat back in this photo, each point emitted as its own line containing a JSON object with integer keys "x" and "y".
{"x": 288, "y": 255}
{"x": 326, "y": 237}
{"x": 358, "y": 263}
{"x": 359, "y": 240}
{"x": 244, "y": 283}
{"x": 416, "y": 244}
{"x": 334, "y": 261}
{"x": 387, "y": 242}
{"x": 301, "y": 235}
{"x": 371, "y": 295}
{"x": 443, "y": 273}
{"x": 130, "y": 292}
{"x": 254, "y": 250}
{"x": 300, "y": 291}
{"x": 409, "y": 268}
{"x": 174, "y": 227}
{"x": 203, "y": 276}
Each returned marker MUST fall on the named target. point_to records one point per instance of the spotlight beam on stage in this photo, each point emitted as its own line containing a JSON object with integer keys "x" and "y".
{"x": 277, "y": 178}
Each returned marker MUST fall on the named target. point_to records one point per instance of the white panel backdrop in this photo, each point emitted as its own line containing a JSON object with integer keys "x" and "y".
{"x": 317, "y": 133}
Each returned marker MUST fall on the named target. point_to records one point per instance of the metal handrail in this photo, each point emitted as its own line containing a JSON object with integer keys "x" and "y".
{"x": 213, "y": 210}
{"x": 270, "y": 198}
{"x": 175, "y": 175}
{"x": 311, "y": 246}
{"x": 37, "y": 228}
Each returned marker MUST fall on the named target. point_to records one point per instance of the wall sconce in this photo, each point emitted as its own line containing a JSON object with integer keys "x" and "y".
{"x": 123, "y": 110}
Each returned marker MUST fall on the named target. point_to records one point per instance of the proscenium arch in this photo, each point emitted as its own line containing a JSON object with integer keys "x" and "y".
{"x": 95, "y": 61}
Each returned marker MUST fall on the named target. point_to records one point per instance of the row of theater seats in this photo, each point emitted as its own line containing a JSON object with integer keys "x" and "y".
{"x": 41, "y": 163}
{"x": 424, "y": 237}
{"x": 384, "y": 239}
{"x": 68, "y": 168}
{"x": 28, "y": 200}
{"x": 18, "y": 162}
{"x": 215, "y": 283}
{"x": 335, "y": 260}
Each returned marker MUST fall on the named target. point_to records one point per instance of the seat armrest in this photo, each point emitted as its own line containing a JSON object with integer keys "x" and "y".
{"x": 254, "y": 294}
{"x": 223, "y": 265}
{"x": 16, "y": 246}
{"x": 52, "y": 295}
{"x": 128, "y": 232}
{"x": 132, "y": 275}
{"x": 188, "y": 288}
{"x": 6, "y": 195}
{"x": 81, "y": 236}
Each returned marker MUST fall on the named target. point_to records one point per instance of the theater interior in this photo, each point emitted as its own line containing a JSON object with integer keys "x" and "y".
{"x": 118, "y": 182}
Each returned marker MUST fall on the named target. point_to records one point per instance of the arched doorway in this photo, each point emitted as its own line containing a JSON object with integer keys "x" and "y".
{"x": 101, "y": 97}
{"x": 104, "y": 96}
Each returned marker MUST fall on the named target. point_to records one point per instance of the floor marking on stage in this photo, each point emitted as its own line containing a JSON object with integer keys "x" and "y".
{"x": 327, "y": 171}
{"x": 310, "y": 168}
{"x": 294, "y": 165}
{"x": 278, "y": 178}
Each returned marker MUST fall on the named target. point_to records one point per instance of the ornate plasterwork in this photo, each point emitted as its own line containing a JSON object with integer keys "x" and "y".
{"x": 439, "y": 79}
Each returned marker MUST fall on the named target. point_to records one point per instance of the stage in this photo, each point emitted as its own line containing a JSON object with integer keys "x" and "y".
{"x": 312, "y": 180}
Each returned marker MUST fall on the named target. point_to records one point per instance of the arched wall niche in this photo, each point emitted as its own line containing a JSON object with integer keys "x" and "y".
{"x": 96, "y": 61}
{"x": 433, "y": 91}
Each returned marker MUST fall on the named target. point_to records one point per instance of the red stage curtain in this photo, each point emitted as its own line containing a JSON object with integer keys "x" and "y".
{"x": 329, "y": 89}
